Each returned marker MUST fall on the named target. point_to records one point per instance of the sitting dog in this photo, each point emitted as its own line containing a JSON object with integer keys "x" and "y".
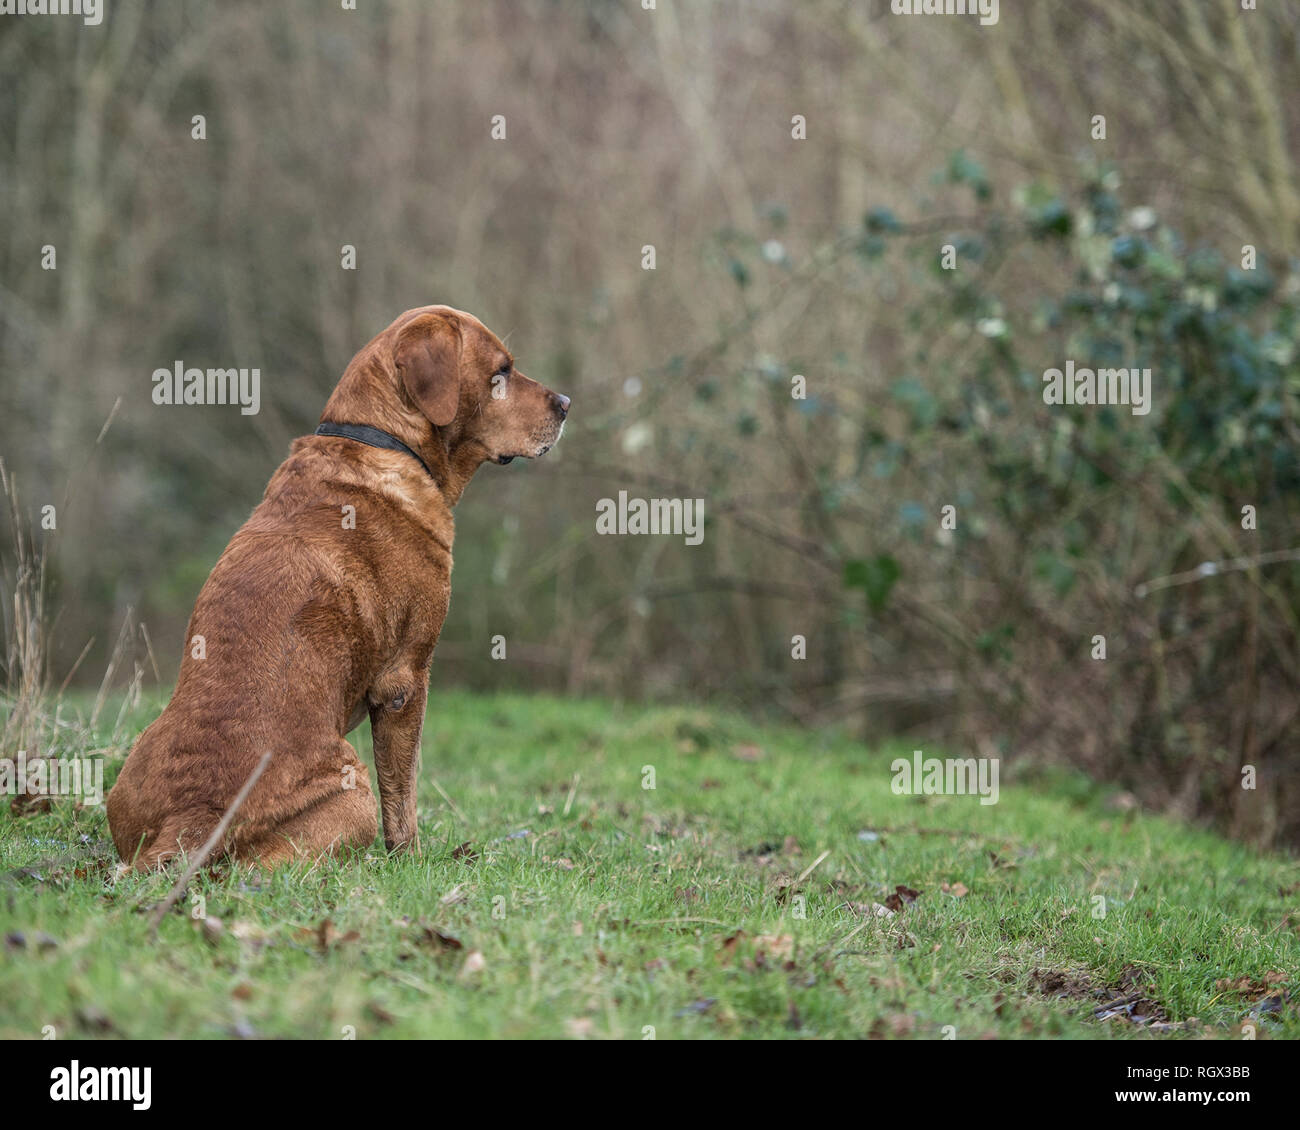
{"x": 327, "y": 605}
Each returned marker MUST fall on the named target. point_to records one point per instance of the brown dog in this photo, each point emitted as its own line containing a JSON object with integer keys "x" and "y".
{"x": 328, "y": 603}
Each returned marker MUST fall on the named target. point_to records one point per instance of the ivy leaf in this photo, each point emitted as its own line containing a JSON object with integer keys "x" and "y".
{"x": 882, "y": 220}
{"x": 876, "y": 576}
{"x": 1128, "y": 251}
{"x": 1051, "y": 219}
{"x": 1058, "y": 573}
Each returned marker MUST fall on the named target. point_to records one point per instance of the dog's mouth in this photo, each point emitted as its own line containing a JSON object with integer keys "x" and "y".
{"x": 502, "y": 460}
{"x": 542, "y": 449}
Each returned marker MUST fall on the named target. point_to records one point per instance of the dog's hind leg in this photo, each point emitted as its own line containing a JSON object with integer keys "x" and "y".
{"x": 344, "y": 816}
{"x": 347, "y": 820}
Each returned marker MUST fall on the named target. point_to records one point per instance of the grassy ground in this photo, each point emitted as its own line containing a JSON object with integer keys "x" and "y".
{"x": 587, "y": 905}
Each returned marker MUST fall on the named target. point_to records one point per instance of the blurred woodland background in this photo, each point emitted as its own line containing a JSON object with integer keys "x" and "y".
{"x": 819, "y": 257}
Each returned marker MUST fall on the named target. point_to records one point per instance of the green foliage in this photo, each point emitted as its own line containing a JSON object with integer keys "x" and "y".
{"x": 875, "y": 576}
{"x": 965, "y": 170}
{"x": 1069, "y": 509}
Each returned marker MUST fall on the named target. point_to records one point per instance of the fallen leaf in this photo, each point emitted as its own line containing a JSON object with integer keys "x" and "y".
{"x": 434, "y": 937}
{"x": 901, "y": 897}
{"x": 728, "y": 950}
{"x": 1254, "y": 989}
{"x": 327, "y": 935}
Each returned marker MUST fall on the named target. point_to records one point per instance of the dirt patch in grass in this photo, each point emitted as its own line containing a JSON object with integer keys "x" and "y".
{"x": 1127, "y": 1001}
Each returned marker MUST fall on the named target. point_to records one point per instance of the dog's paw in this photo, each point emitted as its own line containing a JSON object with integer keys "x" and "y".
{"x": 402, "y": 845}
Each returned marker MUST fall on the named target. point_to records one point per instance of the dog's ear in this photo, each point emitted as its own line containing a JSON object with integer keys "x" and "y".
{"x": 427, "y": 358}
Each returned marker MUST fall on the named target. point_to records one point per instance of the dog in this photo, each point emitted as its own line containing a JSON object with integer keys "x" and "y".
{"x": 326, "y": 606}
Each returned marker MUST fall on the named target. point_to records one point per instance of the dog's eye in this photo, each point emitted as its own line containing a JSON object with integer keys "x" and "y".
{"x": 504, "y": 371}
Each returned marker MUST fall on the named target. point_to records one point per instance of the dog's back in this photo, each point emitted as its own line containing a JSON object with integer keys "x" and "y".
{"x": 246, "y": 687}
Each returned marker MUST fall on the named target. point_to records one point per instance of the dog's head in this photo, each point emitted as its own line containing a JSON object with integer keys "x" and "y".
{"x": 456, "y": 372}
{"x": 439, "y": 376}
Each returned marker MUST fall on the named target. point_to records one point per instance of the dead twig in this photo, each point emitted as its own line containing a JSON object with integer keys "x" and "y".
{"x": 1214, "y": 569}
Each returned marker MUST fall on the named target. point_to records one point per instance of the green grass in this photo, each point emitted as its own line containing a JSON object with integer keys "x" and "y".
{"x": 676, "y": 909}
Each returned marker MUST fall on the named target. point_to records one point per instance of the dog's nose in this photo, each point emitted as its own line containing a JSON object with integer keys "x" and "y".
{"x": 561, "y": 404}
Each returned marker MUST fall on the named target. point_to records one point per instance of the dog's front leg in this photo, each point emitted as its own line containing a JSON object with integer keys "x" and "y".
{"x": 396, "y": 719}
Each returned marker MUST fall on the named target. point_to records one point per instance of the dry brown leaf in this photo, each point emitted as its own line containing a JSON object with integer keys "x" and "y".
{"x": 434, "y": 937}
{"x": 901, "y": 897}
{"x": 728, "y": 950}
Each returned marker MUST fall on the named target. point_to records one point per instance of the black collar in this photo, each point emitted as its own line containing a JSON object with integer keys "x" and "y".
{"x": 374, "y": 437}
